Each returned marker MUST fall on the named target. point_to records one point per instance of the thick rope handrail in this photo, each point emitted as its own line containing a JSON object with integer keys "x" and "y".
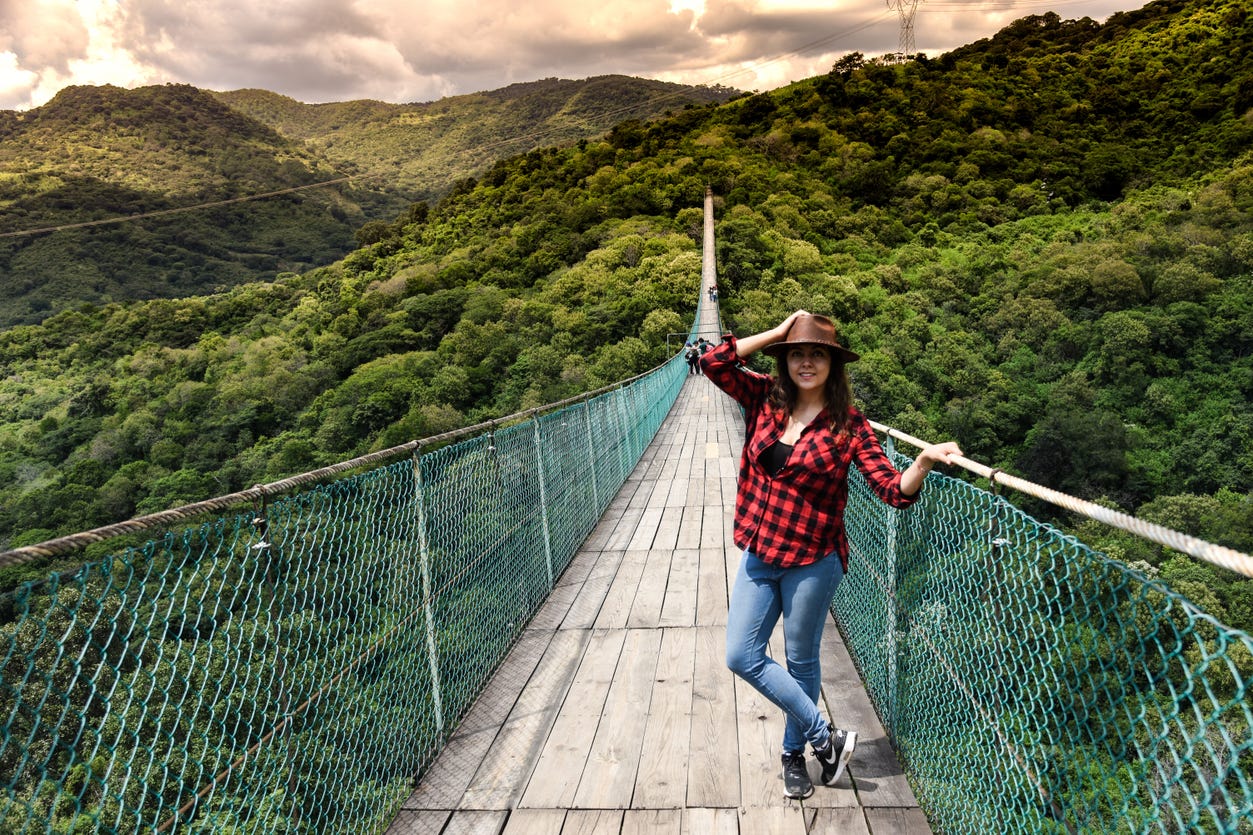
{"x": 1219, "y": 555}
{"x": 178, "y": 515}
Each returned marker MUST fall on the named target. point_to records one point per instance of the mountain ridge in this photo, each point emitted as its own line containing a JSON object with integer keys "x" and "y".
{"x": 105, "y": 153}
{"x": 1044, "y": 253}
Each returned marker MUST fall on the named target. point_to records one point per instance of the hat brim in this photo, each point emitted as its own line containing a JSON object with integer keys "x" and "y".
{"x": 838, "y": 351}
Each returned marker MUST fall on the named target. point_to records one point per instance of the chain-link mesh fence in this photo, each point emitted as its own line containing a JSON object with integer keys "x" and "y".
{"x": 1033, "y": 685}
{"x": 295, "y": 668}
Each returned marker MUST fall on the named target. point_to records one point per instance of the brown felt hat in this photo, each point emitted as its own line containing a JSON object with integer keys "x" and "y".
{"x": 812, "y": 329}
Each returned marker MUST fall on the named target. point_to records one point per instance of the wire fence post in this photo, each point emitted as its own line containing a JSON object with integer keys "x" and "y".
{"x": 424, "y": 562}
{"x": 543, "y": 498}
{"x": 620, "y": 431}
{"x": 895, "y": 618}
{"x": 591, "y": 454}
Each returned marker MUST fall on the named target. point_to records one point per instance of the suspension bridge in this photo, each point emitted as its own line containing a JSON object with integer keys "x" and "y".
{"x": 517, "y": 628}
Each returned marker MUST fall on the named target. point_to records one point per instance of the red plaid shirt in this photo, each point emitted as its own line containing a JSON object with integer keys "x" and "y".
{"x": 797, "y": 516}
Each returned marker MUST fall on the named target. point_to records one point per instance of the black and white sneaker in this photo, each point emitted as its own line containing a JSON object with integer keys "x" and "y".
{"x": 796, "y": 782}
{"x": 836, "y": 755}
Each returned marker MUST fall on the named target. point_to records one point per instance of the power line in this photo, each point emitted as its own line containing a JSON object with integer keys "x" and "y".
{"x": 174, "y": 211}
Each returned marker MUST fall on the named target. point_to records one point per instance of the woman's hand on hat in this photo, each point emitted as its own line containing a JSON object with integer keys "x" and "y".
{"x": 786, "y": 325}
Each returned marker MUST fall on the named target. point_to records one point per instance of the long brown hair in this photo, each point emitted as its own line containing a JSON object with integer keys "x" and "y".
{"x": 837, "y": 392}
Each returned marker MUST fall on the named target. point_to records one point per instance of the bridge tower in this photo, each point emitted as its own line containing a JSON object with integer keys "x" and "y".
{"x": 906, "y": 9}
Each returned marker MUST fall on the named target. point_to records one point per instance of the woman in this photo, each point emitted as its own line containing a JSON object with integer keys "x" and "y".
{"x": 802, "y": 434}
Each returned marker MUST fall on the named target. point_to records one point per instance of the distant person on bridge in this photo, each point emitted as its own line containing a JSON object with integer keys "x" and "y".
{"x": 803, "y": 433}
{"x": 691, "y": 353}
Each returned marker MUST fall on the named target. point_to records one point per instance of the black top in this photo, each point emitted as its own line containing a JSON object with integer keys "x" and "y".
{"x": 775, "y": 457}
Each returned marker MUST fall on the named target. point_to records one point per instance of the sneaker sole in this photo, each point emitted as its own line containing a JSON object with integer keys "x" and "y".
{"x": 845, "y": 756}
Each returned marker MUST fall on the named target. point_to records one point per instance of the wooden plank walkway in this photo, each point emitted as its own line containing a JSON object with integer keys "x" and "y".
{"x": 615, "y": 712}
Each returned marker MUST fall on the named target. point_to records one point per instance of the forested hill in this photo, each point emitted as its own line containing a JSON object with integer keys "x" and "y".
{"x": 1041, "y": 245}
{"x": 100, "y": 153}
{"x": 424, "y": 148}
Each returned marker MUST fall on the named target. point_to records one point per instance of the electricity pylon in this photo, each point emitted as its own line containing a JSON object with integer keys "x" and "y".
{"x": 906, "y": 9}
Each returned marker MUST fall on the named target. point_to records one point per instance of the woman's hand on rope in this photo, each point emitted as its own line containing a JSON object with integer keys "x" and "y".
{"x": 943, "y": 453}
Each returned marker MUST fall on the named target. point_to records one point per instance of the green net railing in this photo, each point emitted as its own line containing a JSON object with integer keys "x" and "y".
{"x": 1031, "y": 684}
{"x": 295, "y": 667}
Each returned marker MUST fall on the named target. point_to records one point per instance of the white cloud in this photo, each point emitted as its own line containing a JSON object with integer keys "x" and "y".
{"x": 398, "y": 50}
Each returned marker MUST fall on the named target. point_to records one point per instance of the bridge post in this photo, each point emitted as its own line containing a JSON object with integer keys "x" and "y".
{"x": 543, "y": 499}
{"x": 624, "y": 470}
{"x": 591, "y": 457}
{"x": 895, "y": 614}
{"x": 424, "y": 562}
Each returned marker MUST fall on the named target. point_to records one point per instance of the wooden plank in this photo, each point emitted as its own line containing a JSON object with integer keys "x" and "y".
{"x": 608, "y": 779}
{"x": 772, "y": 820}
{"x": 586, "y": 607}
{"x": 760, "y": 726}
{"x": 580, "y": 567}
{"x": 703, "y": 821}
{"x": 734, "y": 556}
{"x": 845, "y": 821}
{"x": 498, "y": 780}
{"x": 555, "y": 607}
{"x": 713, "y": 777}
{"x": 444, "y": 784}
{"x": 475, "y": 822}
{"x": 591, "y": 822}
{"x": 647, "y": 494}
{"x": 645, "y": 529}
{"x": 689, "y": 533}
{"x": 713, "y": 524}
{"x": 676, "y": 495}
{"x": 624, "y": 531}
{"x": 652, "y": 822}
{"x": 712, "y": 592}
{"x": 420, "y": 822}
{"x": 678, "y": 607}
{"x": 508, "y": 683}
{"x": 646, "y": 608}
{"x": 883, "y": 781}
{"x": 535, "y": 821}
{"x": 712, "y": 479}
{"x": 616, "y": 609}
{"x": 446, "y": 781}
{"x": 661, "y": 781}
{"x": 612, "y": 518}
{"x": 897, "y": 821}
{"x": 669, "y": 529}
{"x": 696, "y": 487}
{"x": 554, "y": 780}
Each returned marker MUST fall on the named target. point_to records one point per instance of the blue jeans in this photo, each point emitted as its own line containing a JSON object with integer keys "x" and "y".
{"x": 802, "y": 596}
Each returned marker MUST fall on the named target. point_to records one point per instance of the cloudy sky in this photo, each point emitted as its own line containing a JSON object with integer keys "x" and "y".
{"x": 422, "y": 50}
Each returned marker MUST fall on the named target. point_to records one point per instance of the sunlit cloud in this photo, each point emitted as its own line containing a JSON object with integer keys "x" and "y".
{"x": 400, "y": 51}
